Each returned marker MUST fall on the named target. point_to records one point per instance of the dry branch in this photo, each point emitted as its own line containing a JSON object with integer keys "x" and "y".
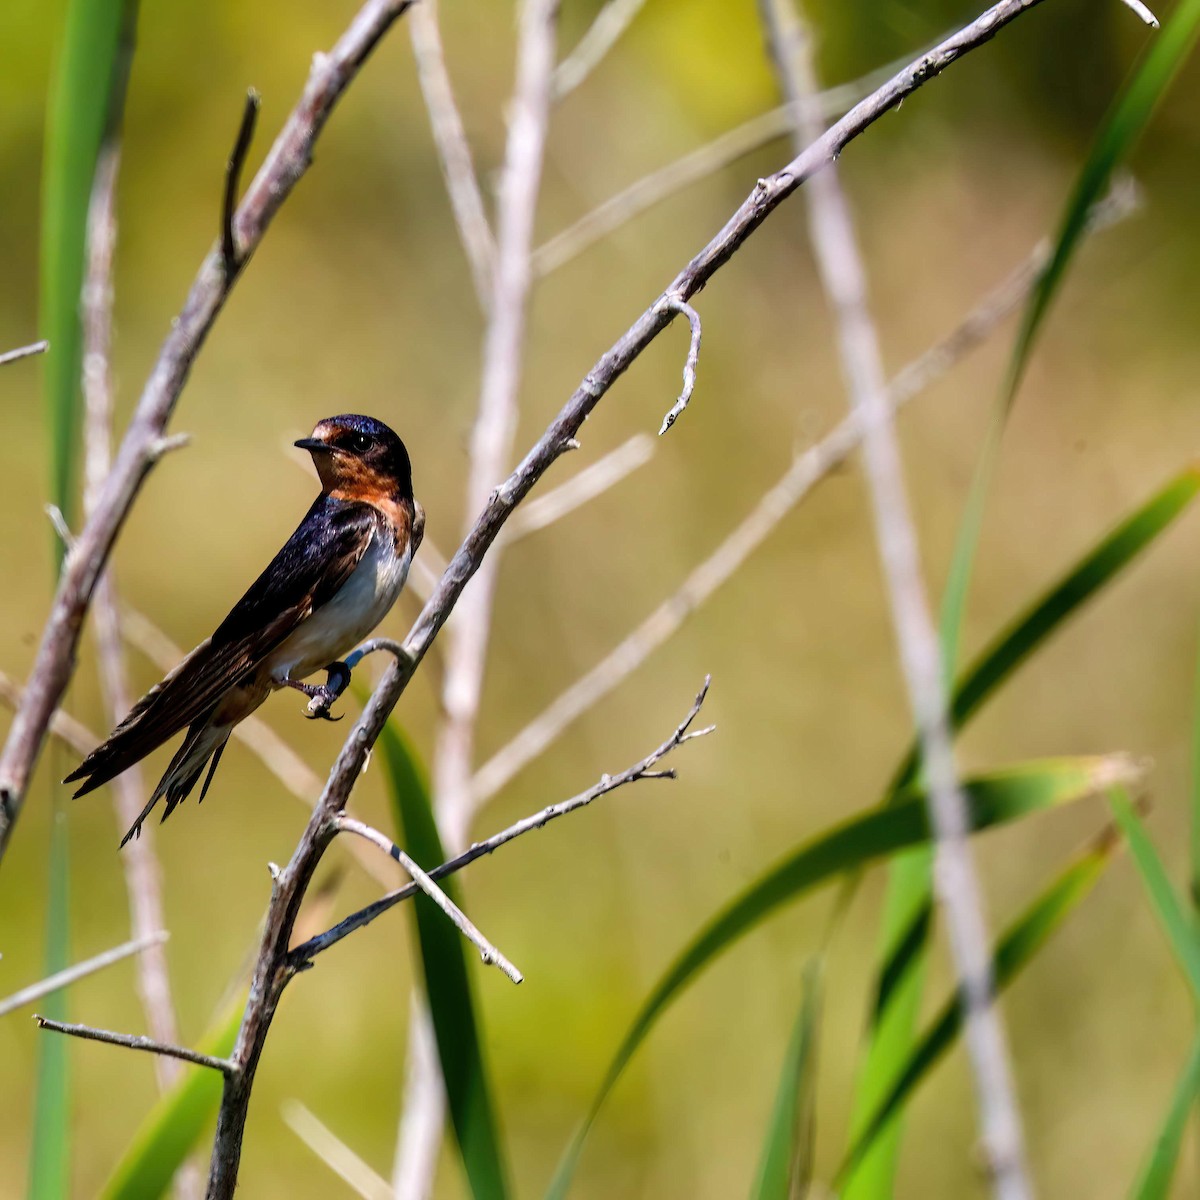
{"x": 133, "y": 1042}
{"x": 62, "y": 979}
{"x": 10, "y": 356}
{"x": 454, "y": 152}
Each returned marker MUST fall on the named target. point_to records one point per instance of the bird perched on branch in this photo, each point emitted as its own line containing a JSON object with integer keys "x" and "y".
{"x": 330, "y": 585}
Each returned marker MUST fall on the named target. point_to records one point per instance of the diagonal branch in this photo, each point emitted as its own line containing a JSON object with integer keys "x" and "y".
{"x": 62, "y": 979}
{"x": 144, "y": 440}
{"x": 454, "y": 151}
{"x": 459, "y": 919}
{"x": 134, "y": 1042}
{"x": 602, "y": 35}
{"x": 10, "y": 356}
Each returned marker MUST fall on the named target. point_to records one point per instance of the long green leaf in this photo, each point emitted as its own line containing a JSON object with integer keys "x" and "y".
{"x": 992, "y": 800}
{"x": 87, "y": 94}
{"x": 1167, "y": 907}
{"x": 902, "y": 959}
{"x": 50, "y": 1156}
{"x": 785, "y": 1165}
{"x": 80, "y": 106}
{"x": 1018, "y": 946}
{"x": 175, "y": 1124}
{"x": 1154, "y": 1179}
{"x": 447, "y": 982}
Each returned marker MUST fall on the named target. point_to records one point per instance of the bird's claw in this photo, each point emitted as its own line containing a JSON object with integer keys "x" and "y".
{"x": 323, "y": 697}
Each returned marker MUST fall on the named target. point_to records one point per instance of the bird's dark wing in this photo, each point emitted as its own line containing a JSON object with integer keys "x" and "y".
{"x": 316, "y": 561}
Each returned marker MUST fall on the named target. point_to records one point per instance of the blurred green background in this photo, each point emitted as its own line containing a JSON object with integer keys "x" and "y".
{"x": 359, "y": 299}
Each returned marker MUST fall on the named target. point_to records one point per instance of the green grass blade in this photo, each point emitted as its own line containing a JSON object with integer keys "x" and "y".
{"x": 1154, "y": 1179}
{"x": 1027, "y": 633}
{"x": 176, "y": 1123}
{"x": 1167, "y": 908}
{"x": 1194, "y": 882}
{"x": 1122, "y": 127}
{"x": 87, "y": 93}
{"x": 785, "y": 1165}
{"x": 908, "y": 895}
{"x": 992, "y": 799}
{"x": 906, "y": 917}
{"x": 50, "y": 1155}
{"x": 447, "y": 982}
{"x": 1016, "y": 948}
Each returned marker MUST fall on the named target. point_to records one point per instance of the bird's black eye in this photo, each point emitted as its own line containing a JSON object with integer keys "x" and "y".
{"x": 357, "y": 443}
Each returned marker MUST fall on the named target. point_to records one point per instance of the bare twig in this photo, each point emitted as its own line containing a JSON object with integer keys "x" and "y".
{"x": 10, "y": 356}
{"x": 805, "y": 472}
{"x": 231, "y": 258}
{"x": 131, "y": 1042}
{"x": 1138, "y": 8}
{"x": 454, "y": 151}
{"x": 839, "y": 264}
{"x": 611, "y": 22}
{"x": 35, "y": 991}
{"x": 289, "y": 158}
{"x": 591, "y": 482}
{"x": 303, "y": 954}
{"x": 495, "y": 425}
{"x": 675, "y": 305}
{"x": 143, "y": 875}
{"x": 357, "y": 1174}
{"x": 491, "y": 956}
{"x": 697, "y": 164}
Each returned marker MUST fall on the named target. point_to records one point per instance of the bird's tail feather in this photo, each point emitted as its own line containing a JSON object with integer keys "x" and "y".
{"x": 204, "y": 741}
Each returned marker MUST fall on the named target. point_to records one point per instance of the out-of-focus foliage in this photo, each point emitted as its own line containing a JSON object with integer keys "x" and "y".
{"x": 359, "y": 299}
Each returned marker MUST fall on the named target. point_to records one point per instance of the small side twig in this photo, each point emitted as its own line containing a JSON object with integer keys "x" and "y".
{"x": 491, "y": 956}
{"x": 603, "y": 33}
{"x": 453, "y": 149}
{"x": 62, "y": 979}
{"x": 300, "y": 956}
{"x": 671, "y": 303}
{"x": 591, "y": 482}
{"x": 231, "y": 258}
{"x": 131, "y": 1042}
{"x": 10, "y": 356}
{"x": 1142, "y": 12}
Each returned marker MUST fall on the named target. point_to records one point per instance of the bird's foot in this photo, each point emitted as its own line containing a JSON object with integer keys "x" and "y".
{"x": 321, "y": 697}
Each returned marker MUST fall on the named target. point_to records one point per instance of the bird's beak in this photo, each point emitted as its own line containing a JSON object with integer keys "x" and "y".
{"x": 313, "y": 446}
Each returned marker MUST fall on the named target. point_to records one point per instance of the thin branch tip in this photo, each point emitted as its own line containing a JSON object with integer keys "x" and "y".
{"x": 676, "y": 304}
{"x": 24, "y": 352}
{"x": 231, "y": 258}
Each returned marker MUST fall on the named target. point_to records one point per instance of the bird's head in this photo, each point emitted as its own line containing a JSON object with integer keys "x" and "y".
{"x": 359, "y": 458}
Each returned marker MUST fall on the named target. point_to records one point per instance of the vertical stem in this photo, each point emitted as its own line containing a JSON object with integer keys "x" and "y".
{"x": 844, "y": 280}
{"x": 490, "y": 452}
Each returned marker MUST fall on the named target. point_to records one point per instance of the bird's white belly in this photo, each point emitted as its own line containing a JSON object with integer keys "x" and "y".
{"x": 340, "y": 624}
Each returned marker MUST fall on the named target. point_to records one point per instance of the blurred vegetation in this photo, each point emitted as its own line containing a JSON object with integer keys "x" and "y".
{"x": 360, "y": 299}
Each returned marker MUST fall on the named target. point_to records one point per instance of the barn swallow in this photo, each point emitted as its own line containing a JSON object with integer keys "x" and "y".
{"x": 331, "y": 584}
